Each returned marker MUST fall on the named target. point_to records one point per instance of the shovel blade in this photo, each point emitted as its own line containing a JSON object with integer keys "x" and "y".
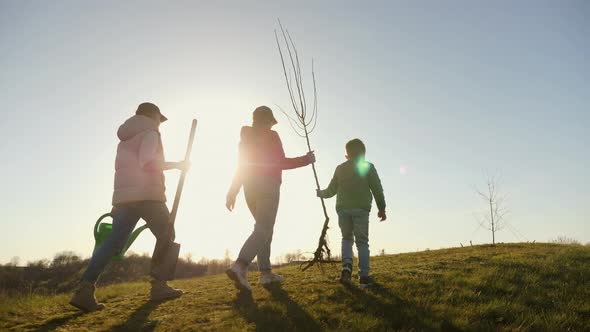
{"x": 164, "y": 270}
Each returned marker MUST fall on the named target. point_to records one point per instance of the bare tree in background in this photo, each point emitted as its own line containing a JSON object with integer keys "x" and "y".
{"x": 493, "y": 218}
{"x": 294, "y": 256}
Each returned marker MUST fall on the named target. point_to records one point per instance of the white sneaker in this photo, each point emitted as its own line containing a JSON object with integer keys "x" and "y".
{"x": 240, "y": 277}
{"x": 269, "y": 278}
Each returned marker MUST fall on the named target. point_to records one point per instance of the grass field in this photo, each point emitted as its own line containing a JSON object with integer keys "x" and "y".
{"x": 528, "y": 287}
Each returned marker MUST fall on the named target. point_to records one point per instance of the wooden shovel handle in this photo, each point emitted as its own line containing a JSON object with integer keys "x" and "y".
{"x": 187, "y": 156}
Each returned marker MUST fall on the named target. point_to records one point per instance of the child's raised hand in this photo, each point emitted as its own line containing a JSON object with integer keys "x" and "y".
{"x": 382, "y": 216}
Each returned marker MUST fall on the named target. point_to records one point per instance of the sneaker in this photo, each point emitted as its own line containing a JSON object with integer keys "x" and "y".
{"x": 161, "y": 291}
{"x": 267, "y": 278}
{"x": 346, "y": 274}
{"x": 240, "y": 277}
{"x": 84, "y": 299}
{"x": 366, "y": 281}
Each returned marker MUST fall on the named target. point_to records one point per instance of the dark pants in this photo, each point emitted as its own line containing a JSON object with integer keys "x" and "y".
{"x": 125, "y": 217}
{"x": 262, "y": 196}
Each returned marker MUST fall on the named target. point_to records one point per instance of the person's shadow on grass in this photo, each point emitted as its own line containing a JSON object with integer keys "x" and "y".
{"x": 57, "y": 322}
{"x": 398, "y": 313}
{"x": 302, "y": 320}
{"x": 138, "y": 320}
{"x": 268, "y": 317}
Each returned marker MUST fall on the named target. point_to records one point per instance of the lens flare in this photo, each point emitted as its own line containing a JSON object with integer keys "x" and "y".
{"x": 362, "y": 167}
{"x": 403, "y": 170}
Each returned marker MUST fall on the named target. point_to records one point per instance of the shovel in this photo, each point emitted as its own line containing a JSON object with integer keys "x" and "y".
{"x": 166, "y": 263}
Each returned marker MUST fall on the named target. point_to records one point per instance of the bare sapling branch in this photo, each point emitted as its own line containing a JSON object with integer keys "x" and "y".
{"x": 303, "y": 123}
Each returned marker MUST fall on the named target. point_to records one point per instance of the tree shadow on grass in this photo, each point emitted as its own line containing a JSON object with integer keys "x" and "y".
{"x": 270, "y": 318}
{"x": 57, "y": 322}
{"x": 396, "y": 313}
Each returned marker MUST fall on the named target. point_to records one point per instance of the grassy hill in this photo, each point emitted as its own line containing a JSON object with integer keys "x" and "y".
{"x": 529, "y": 287}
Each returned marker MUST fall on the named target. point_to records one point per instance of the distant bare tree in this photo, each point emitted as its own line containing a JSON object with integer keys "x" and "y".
{"x": 493, "y": 218}
{"x": 294, "y": 256}
{"x": 566, "y": 240}
{"x": 189, "y": 257}
{"x": 65, "y": 258}
{"x": 227, "y": 258}
{"x": 39, "y": 264}
{"x": 14, "y": 261}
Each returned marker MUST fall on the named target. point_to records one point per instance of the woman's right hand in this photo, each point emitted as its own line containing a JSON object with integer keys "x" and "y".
{"x": 310, "y": 157}
{"x": 184, "y": 165}
{"x": 230, "y": 201}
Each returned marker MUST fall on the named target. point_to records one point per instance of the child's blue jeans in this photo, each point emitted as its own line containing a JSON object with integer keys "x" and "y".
{"x": 354, "y": 224}
{"x": 125, "y": 217}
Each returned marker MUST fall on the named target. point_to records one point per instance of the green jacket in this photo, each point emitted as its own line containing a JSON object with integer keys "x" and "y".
{"x": 355, "y": 183}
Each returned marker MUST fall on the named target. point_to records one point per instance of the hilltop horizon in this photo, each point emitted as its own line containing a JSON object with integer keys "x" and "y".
{"x": 439, "y": 93}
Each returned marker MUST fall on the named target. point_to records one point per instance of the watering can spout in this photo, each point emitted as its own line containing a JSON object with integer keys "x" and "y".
{"x": 132, "y": 239}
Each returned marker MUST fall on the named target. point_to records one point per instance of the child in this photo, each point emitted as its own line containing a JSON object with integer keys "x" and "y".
{"x": 140, "y": 192}
{"x": 355, "y": 182}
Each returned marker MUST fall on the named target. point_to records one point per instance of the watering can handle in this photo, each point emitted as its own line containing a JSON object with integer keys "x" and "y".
{"x": 98, "y": 223}
{"x": 187, "y": 156}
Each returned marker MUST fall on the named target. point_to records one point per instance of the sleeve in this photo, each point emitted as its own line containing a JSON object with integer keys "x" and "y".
{"x": 289, "y": 163}
{"x": 376, "y": 188}
{"x": 148, "y": 151}
{"x": 332, "y": 187}
{"x": 238, "y": 181}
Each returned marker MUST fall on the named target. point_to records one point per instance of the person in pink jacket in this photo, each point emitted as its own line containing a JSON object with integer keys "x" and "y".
{"x": 261, "y": 163}
{"x": 139, "y": 193}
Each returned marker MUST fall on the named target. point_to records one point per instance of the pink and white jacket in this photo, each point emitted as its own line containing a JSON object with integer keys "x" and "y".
{"x": 140, "y": 147}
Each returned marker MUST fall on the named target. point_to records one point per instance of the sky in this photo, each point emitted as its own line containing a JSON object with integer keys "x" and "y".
{"x": 441, "y": 93}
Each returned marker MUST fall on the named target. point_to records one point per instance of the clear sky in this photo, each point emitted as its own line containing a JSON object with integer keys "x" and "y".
{"x": 444, "y": 91}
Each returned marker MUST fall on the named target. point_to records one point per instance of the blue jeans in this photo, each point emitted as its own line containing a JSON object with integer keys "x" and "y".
{"x": 262, "y": 196}
{"x": 125, "y": 217}
{"x": 354, "y": 224}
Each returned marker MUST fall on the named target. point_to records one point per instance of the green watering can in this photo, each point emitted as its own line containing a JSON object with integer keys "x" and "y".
{"x": 102, "y": 230}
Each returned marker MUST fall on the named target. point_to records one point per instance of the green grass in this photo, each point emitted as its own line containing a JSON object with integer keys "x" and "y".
{"x": 528, "y": 287}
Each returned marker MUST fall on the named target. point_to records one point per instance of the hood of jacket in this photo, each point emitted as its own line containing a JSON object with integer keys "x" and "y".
{"x": 136, "y": 125}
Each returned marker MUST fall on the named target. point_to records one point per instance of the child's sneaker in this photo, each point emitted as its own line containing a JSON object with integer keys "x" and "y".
{"x": 239, "y": 275}
{"x": 267, "y": 278}
{"x": 346, "y": 274}
{"x": 366, "y": 281}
